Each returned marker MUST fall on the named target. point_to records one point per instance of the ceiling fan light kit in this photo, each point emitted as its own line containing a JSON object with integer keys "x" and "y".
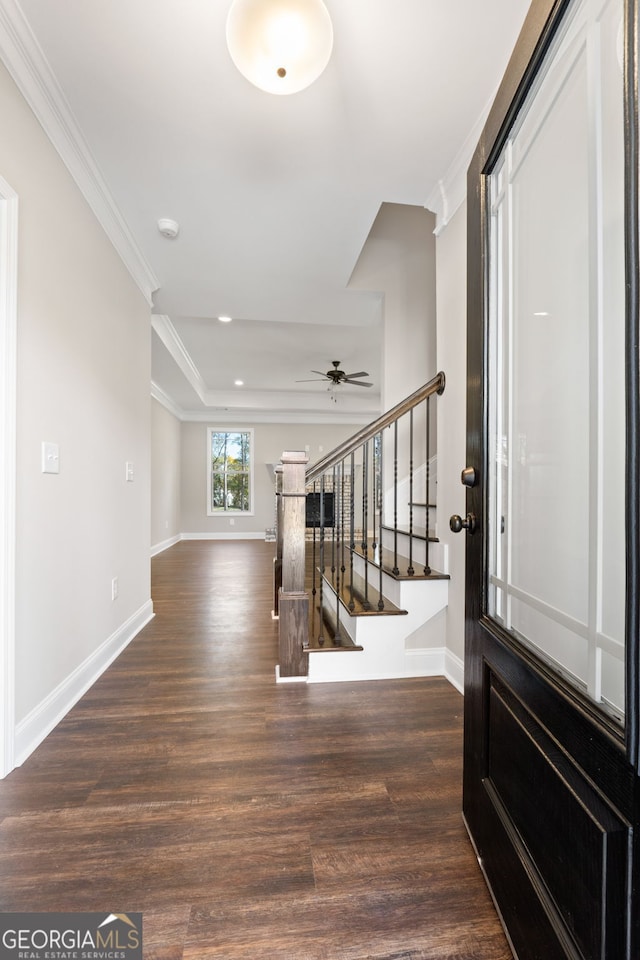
{"x": 280, "y": 46}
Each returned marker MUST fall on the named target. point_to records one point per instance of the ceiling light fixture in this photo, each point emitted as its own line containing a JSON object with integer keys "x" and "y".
{"x": 239, "y": 383}
{"x": 281, "y": 46}
{"x": 224, "y": 319}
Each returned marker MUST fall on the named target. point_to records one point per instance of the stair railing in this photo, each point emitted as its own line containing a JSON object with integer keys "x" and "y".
{"x": 362, "y": 499}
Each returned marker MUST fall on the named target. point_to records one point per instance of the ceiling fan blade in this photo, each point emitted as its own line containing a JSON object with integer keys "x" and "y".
{"x": 357, "y": 383}
{"x": 319, "y": 372}
{"x": 313, "y": 380}
{"x": 351, "y": 376}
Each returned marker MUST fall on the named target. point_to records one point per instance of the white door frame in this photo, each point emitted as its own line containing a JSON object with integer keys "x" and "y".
{"x": 8, "y": 377}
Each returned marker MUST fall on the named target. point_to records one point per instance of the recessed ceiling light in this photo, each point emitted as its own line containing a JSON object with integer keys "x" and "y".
{"x": 239, "y": 383}
{"x": 225, "y": 319}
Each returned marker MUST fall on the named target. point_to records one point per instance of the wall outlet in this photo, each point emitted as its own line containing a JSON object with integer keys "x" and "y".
{"x": 231, "y": 522}
{"x": 114, "y": 588}
{"x": 128, "y": 471}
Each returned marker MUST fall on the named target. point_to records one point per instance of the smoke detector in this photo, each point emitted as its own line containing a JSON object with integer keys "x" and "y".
{"x": 168, "y": 228}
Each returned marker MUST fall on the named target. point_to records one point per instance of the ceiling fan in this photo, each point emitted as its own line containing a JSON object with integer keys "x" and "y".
{"x": 338, "y": 376}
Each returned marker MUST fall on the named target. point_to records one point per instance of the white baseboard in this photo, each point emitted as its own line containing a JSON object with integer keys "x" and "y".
{"x": 222, "y": 536}
{"x": 425, "y": 662}
{"x": 165, "y": 544}
{"x": 454, "y": 670}
{"x": 38, "y": 724}
{"x": 280, "y": 679}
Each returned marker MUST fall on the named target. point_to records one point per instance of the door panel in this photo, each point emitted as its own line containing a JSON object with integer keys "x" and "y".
{"x": 538, "y": 791}
{"x": 551, "y": 698}
{"x": 549, "y": 801}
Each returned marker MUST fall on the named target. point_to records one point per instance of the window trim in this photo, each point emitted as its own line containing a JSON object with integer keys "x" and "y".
{"x": 225, "y": 512}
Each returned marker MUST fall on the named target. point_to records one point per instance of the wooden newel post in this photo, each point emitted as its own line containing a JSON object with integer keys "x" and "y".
{"x": 293, "y": 603}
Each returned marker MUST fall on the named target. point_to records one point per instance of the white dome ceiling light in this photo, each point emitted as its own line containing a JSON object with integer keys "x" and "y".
{"x": 281, "y": 46}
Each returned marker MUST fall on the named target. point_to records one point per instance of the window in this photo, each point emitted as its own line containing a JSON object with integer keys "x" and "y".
{"x": 229, "y": 471}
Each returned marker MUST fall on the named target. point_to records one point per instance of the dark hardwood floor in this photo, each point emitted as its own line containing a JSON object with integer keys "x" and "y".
{"x": 249, "y": 820}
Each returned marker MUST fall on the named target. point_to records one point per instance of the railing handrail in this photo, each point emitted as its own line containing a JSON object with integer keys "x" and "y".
{"x": 435, "y": 385}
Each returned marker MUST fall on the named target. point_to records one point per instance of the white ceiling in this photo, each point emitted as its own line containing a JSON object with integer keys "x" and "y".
{"x": 274, "y": 195}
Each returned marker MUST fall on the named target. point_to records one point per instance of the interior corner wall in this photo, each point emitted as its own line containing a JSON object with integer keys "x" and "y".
{"x": 398, "y": 259}
{"x": 165, "y": 477}
{"x": 451, "y": 293}
{"x": 83, "y": 375}
{"x": 270, "y": 442}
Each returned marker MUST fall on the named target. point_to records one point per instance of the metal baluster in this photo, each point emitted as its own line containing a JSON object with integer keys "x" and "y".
{"x": 374, "y": 502}
{"x": 352, "y": 533}
{"x": 321, "y": 636}
{"x": 410, "y": 569}
{"x": 378, "y": 500}
{"x": 314, "y": 588}
{"x": 374, "y": 498}
{"x": 333, "y": 526}
{"x": 335, "y": 575}
{"x": 396, "y": 571}
{"x": 427, "y": 469}
{"x": 342, "y": 519}
{"x": 365, "y": 522}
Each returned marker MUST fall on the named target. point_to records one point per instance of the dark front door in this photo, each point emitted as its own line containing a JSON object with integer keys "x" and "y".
{"x": 551, "y": 669}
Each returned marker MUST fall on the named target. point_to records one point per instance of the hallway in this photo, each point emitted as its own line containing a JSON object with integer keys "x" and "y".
{"x": 248, "y": 820}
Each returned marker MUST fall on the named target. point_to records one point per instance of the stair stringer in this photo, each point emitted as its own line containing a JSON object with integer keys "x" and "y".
{"x": 412, "y": 645}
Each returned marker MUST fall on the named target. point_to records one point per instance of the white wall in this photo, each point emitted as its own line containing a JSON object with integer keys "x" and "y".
{"x": 451, "y": 293}
{"x": 399, "y": 260}
{"x": 83, "y": 378}
{"x": 270, "y": 441}
{"x": 165, "y": 476}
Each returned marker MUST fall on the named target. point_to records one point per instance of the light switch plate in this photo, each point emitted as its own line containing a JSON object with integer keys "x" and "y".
{"x": 50, "y": 457}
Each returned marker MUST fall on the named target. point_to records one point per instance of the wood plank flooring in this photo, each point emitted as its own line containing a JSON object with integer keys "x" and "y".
{"x": 249, "y": 820}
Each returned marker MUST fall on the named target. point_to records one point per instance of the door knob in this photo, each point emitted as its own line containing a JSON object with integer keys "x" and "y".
{"x": 457, "y": 524}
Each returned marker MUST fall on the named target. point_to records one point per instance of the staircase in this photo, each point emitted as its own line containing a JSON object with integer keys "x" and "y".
{"x": 361, "y": 580}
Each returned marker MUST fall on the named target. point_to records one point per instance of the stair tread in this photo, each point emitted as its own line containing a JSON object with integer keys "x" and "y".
{"x": 389, "y": 560}
{"x": 357, "y": 597}
{"x": 322, "y": 634}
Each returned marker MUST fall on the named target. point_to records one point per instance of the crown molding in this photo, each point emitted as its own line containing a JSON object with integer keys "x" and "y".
{"x": 246, "y": 406}
{"x": 27, "y": 64}
{"x": 176, "y": 348}
{"x": 450, "y": 192}
{"x": 231, "y": 417}
{"x": 166, "y": 401}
